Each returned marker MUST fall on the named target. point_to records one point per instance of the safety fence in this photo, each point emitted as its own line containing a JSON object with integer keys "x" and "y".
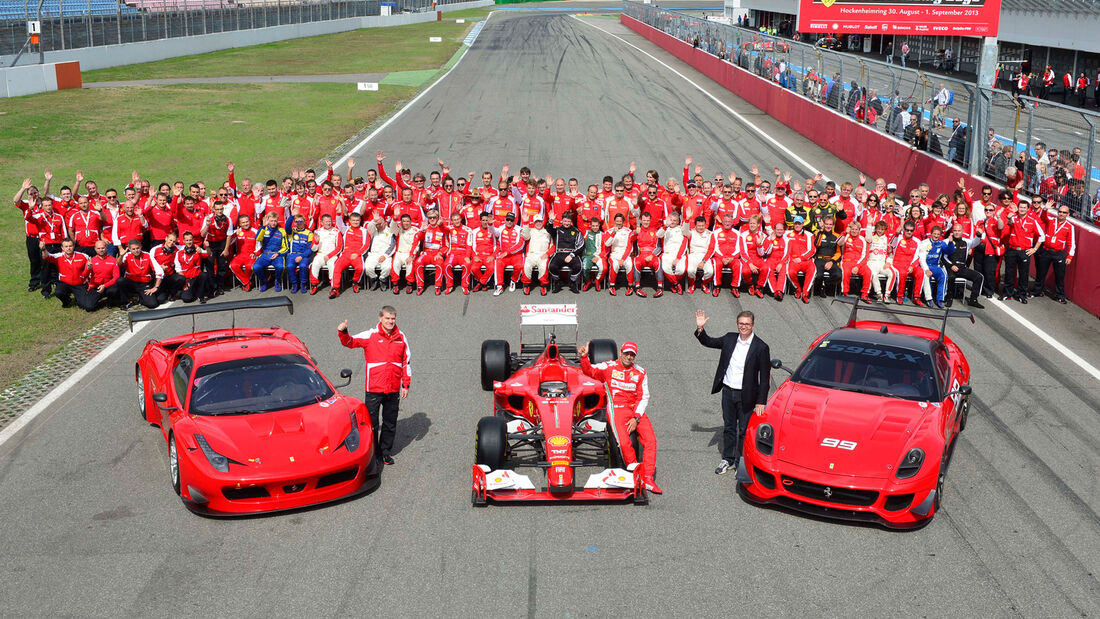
{"x": 165, "y": 19}
{"x": 930, "y": 111}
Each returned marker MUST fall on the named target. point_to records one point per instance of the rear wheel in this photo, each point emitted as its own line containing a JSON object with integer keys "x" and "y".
{"x": 495, "y": 356}
{"x": 965, "y": 413}
{"x": 141, "y": 396}
{"x": 602, "y": 350}
{"x": 174, "y": 463}
{"x": 491, "y": 442}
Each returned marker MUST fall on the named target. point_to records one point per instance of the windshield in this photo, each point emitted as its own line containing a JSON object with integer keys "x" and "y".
{"x": 869, "y": 368}
{"x": 257, "y": 385}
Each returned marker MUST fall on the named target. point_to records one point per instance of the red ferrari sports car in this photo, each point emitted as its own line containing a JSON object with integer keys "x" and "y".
{"x": 865, "y": 427}
{"x": 251, "y": 424}
{"x": 548, "y": 415}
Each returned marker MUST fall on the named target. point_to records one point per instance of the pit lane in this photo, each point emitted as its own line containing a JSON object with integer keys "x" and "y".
{"x": 92, "y": 527}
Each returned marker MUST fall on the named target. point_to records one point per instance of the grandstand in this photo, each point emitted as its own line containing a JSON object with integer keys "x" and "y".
{"x": 28, "y": 9}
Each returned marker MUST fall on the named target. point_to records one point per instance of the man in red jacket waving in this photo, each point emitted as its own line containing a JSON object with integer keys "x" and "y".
{"x": 386, "y": 352}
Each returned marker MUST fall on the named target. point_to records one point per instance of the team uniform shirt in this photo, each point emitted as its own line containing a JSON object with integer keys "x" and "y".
{"x": 619, "y": 206}
{"x": 387, "y": 358}
{"x": 722, "y": 207}
{"x": 510, "y": 241}
{"x": 483, "y": 242}
{"x": 328, "y": 242}
{"x": 558, "y": 204}
{"x": 51, "y": 228}
{"x": 754, "y": 246}
{"x": 141, "y": 268}
{"x": 189, "y": 265}
{"x": 85, "y": 227}
{"x": 694, "y": 205}
{"x": 776, "y": 209}
{"x": 458, "y": 241}
{"x": 215, "y": 231}
{"x": 103, "y": 271}
{"x": 191, "y": 220}
{"x": 72, "y": 269}
{"x": 499, "y": 207}
{"x": 587, "y": 209}
{"x": 161, "y": 220}
{"x": 355, "y": 241}
{"x": 165, "y": 258}
{"x": 127, "y": 227}
{"x": 1061, "y": 236}
{"x": 1022, "y": 232}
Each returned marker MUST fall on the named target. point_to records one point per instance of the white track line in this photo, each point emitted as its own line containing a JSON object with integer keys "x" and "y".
{"x": 58, "y": 391}
{"x": 1043, "y": 335}
{"x": 731, "y": 111}
{"x": 72, "y": 380}
{"x": 389, "y": 120}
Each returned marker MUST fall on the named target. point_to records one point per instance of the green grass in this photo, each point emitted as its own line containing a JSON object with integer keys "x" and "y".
{"x": 371, "y": 50}
{"x": 184, "y": 132}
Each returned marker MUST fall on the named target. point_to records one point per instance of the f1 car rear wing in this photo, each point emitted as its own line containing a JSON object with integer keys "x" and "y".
{"x": 942, "y": 315}
{"x": 209, "y": 308}
{"x": 548, "y": 316}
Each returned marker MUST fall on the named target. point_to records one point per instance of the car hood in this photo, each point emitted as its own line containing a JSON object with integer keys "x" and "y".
{"x": 300, "y": 433}
{"x": 845, "y": 433}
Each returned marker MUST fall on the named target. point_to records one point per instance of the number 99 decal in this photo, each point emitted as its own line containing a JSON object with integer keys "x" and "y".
{"x": 839, "y": 444}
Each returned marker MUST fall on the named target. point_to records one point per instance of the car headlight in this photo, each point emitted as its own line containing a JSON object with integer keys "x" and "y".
{"x": 351, "y": 441}
{"x": 911, "y": 463}
{"x": 216, "y": 460}
{"x": 765, "y": 439}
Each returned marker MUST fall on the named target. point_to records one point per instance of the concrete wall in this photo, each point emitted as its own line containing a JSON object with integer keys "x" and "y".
{"x": 147, "y": 51}
{"x": 28, "y": 80}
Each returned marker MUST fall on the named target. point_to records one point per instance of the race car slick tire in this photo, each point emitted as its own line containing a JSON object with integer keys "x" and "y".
{"x": 495, "y": 359}
{"x": 491, "y": 442}
{"x": 174, "y": 463}
{"x": 965, "y": 414}
{"x": 602, "y": 350}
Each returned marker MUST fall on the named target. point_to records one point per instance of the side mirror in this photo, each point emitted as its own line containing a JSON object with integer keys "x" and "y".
{"x": 963, "y": 390}
{"x": 346, "y": 375}
{"x": 160, "y": 398}
{"x": 778, "y": 365}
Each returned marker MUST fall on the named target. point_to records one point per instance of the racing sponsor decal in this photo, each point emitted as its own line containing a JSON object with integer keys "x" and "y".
{"x": 559, "y": 463}
{"x": 839, "y": 444}
{"x": 872, "y": 352}
{"x": 617, "y": 374}
{"x": 558, "y": 441}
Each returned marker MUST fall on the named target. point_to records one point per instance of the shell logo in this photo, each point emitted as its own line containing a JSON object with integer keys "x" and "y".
{"x": 558, "y": 441}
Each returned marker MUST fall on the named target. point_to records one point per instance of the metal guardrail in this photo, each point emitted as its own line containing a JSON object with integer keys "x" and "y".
{"x": 168, "y": 20}
{"x": 900, "y": 100}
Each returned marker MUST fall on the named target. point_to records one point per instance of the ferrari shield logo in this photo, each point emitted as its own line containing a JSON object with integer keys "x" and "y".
{"x": 828, "y": 3}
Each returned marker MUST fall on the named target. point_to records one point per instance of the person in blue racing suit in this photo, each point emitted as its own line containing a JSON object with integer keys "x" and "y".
{"x": 272, "y": 246}
{"x": 301, "y": 254}
{"x": 935, "y": 250}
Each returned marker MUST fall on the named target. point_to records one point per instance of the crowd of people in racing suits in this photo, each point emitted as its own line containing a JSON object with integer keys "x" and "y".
{"x": 681, "y": 236}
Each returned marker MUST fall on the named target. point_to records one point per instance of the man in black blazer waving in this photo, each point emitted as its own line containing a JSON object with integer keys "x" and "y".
{"x": 744, "y": 378}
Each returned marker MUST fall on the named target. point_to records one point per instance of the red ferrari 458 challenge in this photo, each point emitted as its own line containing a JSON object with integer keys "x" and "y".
{"x": 865, "y": 427}
{"x": 549, "y": 416}
{"x": 251, "y": 424}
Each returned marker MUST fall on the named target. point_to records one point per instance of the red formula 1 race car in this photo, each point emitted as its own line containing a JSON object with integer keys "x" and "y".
{"x": 548, "y": 415}
{"x": 251, "y": 424}
{"x": 865, "y": 428}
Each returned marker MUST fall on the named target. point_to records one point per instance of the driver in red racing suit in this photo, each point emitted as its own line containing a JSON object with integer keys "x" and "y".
{"x": 629, "y": 395}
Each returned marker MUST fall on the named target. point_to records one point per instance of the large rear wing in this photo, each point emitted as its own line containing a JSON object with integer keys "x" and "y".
{"x": 548, "y": 316}
{"x": 936, "y": 314}
{"x": 209, "y": 308}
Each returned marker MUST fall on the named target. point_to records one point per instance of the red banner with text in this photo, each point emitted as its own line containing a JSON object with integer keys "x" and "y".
{"x": 974, "y": 18}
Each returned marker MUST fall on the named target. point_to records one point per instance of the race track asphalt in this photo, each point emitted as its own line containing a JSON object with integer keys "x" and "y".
{"x": 89, "y": 525}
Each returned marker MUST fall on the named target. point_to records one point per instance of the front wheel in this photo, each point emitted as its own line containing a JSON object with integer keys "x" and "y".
{"x": 965, "y": 414}
{"x": 491, "y": 443}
